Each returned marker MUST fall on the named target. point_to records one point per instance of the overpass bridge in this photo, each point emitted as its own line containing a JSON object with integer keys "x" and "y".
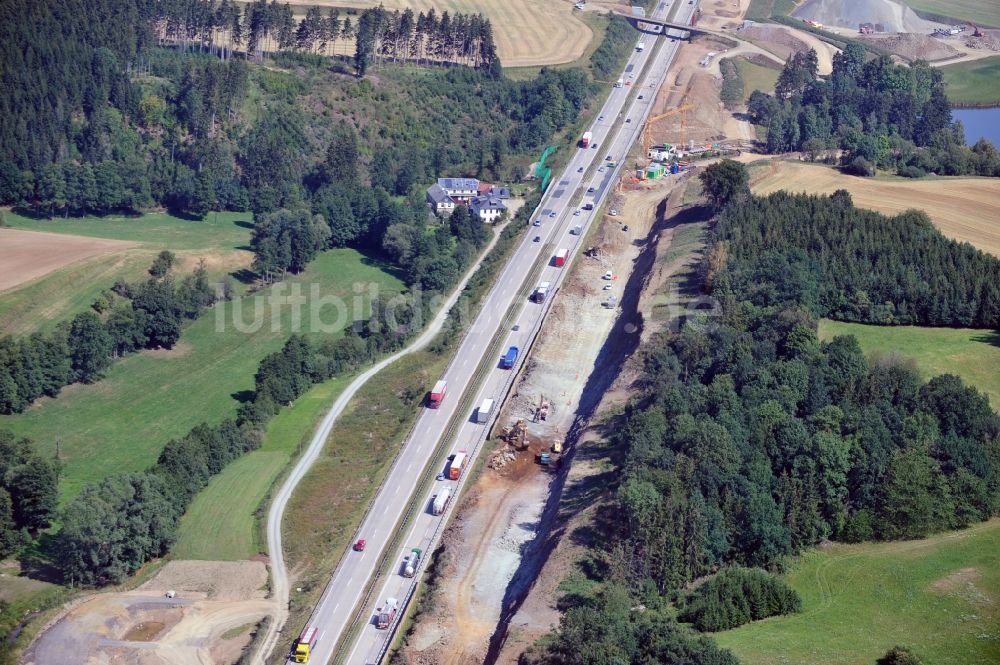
{"x": 655, "y": 26}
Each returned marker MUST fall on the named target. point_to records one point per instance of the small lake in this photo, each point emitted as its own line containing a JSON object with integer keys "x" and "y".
{"x": 979, "y": 123}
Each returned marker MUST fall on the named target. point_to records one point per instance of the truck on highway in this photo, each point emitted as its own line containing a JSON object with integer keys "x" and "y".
{"x": 540, "y": 292}
{"x": 619, "y": 83}
{"x": 587, "y": 138}
{"x": 484, "y": 410}
{"x": 457, "y": 464}
{"x": 412, "y": 561}
{"x": 305, "y": 644}
{"x": 509, "y": 358}
{"x": 387, "y": 613}
{"x": 437, "y": 393}
{"x": 441, "y": 501}
{"x": 640, "y": 46}
{"x": 561, "y": 257}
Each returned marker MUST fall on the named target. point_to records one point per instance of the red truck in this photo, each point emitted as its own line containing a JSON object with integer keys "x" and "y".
{"x": 561, "y": 257}
{"x": 437, "y": 394}
{"x": 387, "y": 613}
{"x": 585, "y": 141}
{"x": 457, "y": 464}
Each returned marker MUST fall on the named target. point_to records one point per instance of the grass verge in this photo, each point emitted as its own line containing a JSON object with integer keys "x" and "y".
{"x": 974, "y": 355}
{"x": 159, "y": 395}
{"x": 936, "y": 596}
{"x": 975, "y": 83}
{"x": 756, "y": 77}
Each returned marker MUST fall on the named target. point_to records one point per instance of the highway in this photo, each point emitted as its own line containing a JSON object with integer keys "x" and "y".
{"x": 557, "y": 217}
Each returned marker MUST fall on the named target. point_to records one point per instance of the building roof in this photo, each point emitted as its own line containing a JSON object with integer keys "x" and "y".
{"x": 487, "y": 203}
{"x": 437, "y": 195}
{"x": 459, "y": 184}
{"x": 500, "y": 192}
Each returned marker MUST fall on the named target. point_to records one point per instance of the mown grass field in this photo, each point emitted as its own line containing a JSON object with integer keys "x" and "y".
{"x": 974, "y": 83}
{"x": 965, "y": 209}
{"x": 938, "y": 596}
{"x": 122, "y": 422}
{"x": 756, "y": 77}
{"x": 986, "y": 12}
{"x": 39, "y": 304}
{"x": 227, "y": 507}
{"x": 973, "y": 355}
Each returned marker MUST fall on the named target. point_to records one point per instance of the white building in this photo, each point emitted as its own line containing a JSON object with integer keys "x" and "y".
{"x": 487, "y": 208}
{"x": 462, "y": 190}
{"x": 440, "y": 202}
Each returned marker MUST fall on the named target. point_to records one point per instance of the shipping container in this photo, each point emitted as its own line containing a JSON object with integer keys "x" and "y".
{"x": 437, "y": 393}
{"x": 484, "y": 411}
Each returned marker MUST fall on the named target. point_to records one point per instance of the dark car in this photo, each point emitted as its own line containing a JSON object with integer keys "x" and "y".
{"x": 640, "y": 96}
{"x": 360, "y": 545}
{"x": 580, "y": 170}
{"x": 590, "y": 190}
{"x": 538, "y": 238}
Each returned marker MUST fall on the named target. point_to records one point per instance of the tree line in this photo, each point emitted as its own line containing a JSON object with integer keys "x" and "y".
{"x": 853, "y": 264}
{"x": 29, "y": 492}
{"x": 754, "y": 440}
{"x": 124, "y": 319}
{"x": 882, "y": 115}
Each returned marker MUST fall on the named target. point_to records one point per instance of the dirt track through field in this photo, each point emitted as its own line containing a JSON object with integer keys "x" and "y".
{"x": 966, "y": 209}
{"x": 28, "y": 255}
{"x": 528, "y": 33}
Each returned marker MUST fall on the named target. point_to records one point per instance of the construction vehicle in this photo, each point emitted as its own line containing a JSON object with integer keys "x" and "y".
{"x": 509, "y": 358}
{"x": 544, "y": 459}
{"x": 640, "y": 46}
{"x": 557, "y": 446}
{"x": 647, "y": 140}
{"x": 441, "y": 501}
{"x": 587, "y": 138}
{"x": 542, "y": 410}
{"x": 457, "y": 465}
{"x": 411, "y": 562}
{"x": 305, "y": 644}
{"x": 437, "y": 394}
{"x": 516, "y": 435}
{"x": 387, "y": 613}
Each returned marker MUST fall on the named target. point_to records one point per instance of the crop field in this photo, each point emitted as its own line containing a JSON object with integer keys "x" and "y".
{"x": 28, "y": 255}
{"x": 965, "y": 209}
{"x": 976, "y": 82}
{"x": 527, "y": 32}
{"x": 985, "y": 12}
{"x": 937, "y": 596}
{"x": 122, "y": 422}
{"x": 61, "y": 289}
{"x": 973, "y": 355}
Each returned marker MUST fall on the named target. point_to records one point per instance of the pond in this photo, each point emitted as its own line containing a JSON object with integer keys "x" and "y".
{"x": 979, "y": 123}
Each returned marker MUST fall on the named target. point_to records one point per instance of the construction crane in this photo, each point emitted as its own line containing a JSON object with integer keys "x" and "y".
{"x": 648, "y": 131}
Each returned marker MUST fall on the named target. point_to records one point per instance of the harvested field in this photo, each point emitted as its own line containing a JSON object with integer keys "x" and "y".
{"x": 965, "y": 209}
{"x": 28, "y": 255}
{"x": 528, "y": 33}
{"x": 912, "y": 46}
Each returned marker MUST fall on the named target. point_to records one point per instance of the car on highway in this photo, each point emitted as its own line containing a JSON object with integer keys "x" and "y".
{"x": 440, "y": 476}
{"x": 628, "y": 120}
{"x": 538, "y": 238}
{"x": 640, "y": 97}
{"x": 360, "y": 545}
{"x": 537, "y": 222}
{"x": 608, "y": 158}
{"x": 552, "y": 214}
{"x": 576, "y": 213}
{"x": 580, "y": 170}
{"x": 599, "y": 118}
{"x": 517, "y": 326}
{"x": 590, "y": 190}
{"x": 600, "y": 169}
{"x": 594, "y": 146}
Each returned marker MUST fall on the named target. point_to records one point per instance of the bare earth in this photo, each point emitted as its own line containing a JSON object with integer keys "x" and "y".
{"x": 28, "y": 255}
{"x": 508, "y": 524}
{"x": 527, "y": 32}
{"x": 966, "y": 209}
{"x": 144, "y": 627}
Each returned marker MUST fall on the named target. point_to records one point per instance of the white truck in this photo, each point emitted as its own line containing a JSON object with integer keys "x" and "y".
{"x": 484, "y": 411}
{"x": 440, "y": 501}
{"x": 640, "y": 46}
{"x": 541, "y": 292}
{"x": 619, "y": 83}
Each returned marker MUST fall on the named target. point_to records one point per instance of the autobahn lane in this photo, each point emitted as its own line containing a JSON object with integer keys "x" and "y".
{"x": 347, "y": 586}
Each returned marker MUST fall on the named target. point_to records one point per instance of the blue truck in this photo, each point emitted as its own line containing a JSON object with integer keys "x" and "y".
{"x": 509, "y": 358}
